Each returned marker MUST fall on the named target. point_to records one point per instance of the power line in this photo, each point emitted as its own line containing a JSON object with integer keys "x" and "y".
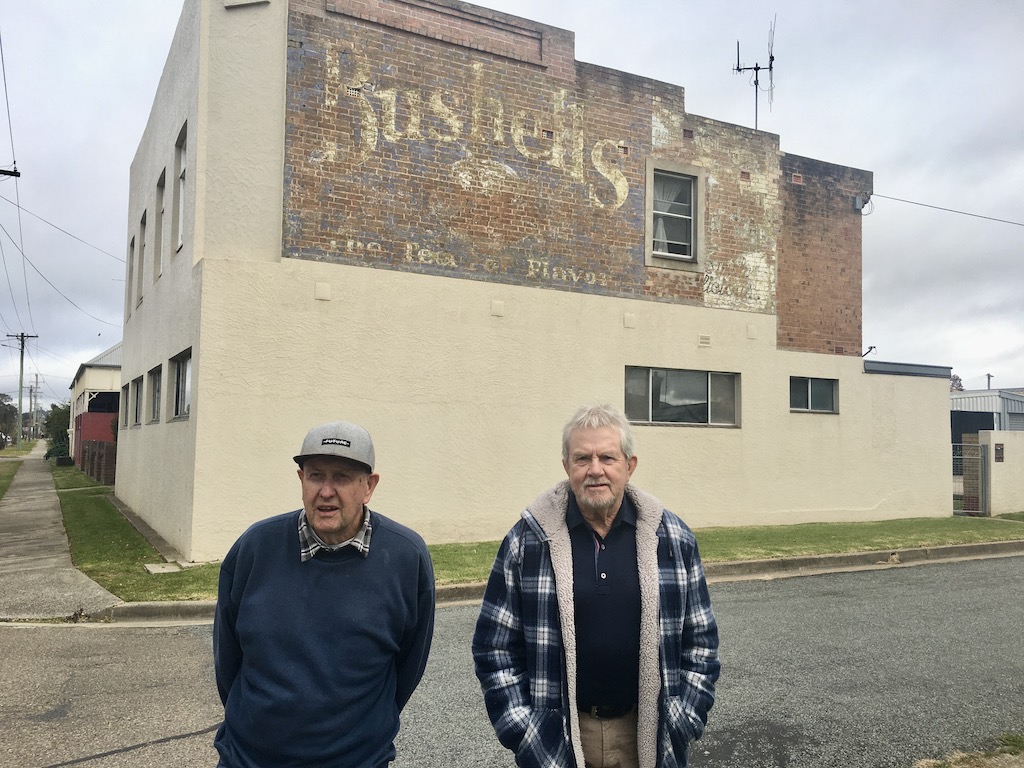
{"x": 63, "y": 231}
{"x": 45, "y": 278}
{"x": 7, "y": 101}
{"x": 949, "y": 210}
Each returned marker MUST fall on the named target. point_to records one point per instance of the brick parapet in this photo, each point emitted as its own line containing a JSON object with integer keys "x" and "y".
{"x": 414, "y": 150}
{"x": 820, "y": 265}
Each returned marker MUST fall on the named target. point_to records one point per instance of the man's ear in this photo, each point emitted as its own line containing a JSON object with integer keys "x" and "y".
{"x": 371, "y": 483}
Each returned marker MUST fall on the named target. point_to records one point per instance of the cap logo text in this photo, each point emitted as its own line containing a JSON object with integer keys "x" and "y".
{"x": 336, "y": 441}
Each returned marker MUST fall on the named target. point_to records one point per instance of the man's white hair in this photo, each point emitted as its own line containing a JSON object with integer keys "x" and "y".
{"x": 597, "y": 416}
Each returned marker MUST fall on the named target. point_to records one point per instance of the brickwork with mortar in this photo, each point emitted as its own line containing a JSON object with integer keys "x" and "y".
{"x": 446, "y": 139}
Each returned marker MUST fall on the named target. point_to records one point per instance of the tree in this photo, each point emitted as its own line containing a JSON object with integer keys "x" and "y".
{"x": 58, "y": 420}
{"x": 8, "y": 415}
{"x": 955, "y": 384}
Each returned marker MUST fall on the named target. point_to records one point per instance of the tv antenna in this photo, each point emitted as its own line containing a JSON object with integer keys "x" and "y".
{"x": 756, "y": 69}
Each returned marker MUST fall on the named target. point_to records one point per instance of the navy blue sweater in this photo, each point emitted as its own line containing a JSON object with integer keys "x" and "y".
{"x": 315, "y": 660}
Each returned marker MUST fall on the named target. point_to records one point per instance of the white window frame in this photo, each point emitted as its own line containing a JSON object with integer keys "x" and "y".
{"x": 697, "y": 176}
{"x": 142, "y": 260}
{"x": 136, "y": 394}
{"x": 125, "y": 405}
{"x": 130, "y": 285}
{"x": 721, "y": 397}
{"x": 158, "y": 228}
{"x": 155, "y": 386}
{"x": 182, "y": 395}
{"x": 807, "y": 395}
{"x": 180, "y": 190}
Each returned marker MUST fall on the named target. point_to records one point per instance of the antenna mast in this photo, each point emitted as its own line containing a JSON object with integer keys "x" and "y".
{"x": 756, "y": 69}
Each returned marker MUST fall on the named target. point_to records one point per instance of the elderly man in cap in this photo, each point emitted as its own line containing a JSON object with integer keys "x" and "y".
{"x": 324, "y": 620}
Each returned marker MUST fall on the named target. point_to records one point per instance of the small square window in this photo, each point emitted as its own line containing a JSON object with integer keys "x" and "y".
{"x": 816, "y": 395}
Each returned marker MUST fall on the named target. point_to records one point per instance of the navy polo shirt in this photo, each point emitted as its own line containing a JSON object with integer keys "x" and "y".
{"x": 606, "y": 591}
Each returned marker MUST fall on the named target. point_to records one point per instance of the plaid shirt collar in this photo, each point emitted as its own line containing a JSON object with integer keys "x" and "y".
{"x": 310, "y": 543}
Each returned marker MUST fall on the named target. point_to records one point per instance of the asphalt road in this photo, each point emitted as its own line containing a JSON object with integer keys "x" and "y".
{"x": 870, "y": 669}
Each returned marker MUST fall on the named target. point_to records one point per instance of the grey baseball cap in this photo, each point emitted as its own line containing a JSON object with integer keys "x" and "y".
{"x": 338, "y": 438}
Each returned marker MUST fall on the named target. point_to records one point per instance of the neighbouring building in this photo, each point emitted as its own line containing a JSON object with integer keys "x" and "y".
{"x": 429, "y": 218}
{"x": 974, "y": 410}
{"x": 95, "y": 394}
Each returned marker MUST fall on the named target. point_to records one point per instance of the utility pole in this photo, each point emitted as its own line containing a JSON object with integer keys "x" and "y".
{"x": 21, "y": 381}
{"x": 35, "y": 409}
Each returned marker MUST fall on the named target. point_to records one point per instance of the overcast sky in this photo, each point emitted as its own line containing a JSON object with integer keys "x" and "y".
{"x": 926, "y": 94}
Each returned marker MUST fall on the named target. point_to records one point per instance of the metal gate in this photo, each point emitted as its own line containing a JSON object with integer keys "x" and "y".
{"x": 970, "y": 480}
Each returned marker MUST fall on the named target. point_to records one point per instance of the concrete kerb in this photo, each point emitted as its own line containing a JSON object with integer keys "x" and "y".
{"x": 779, "y": 568}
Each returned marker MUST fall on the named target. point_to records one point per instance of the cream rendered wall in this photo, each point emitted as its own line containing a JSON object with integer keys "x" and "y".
{"x": 225, "y": 78}
{"x": 1006, "y": 478}
{"x": 465, "y": 387}
{"x": 154, "y": 475}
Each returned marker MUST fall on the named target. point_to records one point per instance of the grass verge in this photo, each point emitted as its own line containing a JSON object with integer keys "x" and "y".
{"x": 11, "y": 452}
{"x": 7, "y": 470}
{"x": 109, "y": 550}
{"x": 774, "y": 541}
{"x": 1008, "y": 745}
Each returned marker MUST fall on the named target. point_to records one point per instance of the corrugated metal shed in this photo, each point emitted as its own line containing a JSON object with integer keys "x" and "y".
{"x": 1008, "y": 406}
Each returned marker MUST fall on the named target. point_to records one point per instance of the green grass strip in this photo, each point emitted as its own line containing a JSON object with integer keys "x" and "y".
{"x": 106, "y": 547}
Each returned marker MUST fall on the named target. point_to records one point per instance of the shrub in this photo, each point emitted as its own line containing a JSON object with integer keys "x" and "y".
{"x": 57, "y": 449}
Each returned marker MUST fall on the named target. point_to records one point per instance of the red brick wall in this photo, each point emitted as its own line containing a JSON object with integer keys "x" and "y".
{"x": 819, "y": 290}
{"x": 95, "y": 426}
{"x": 436, "y": 137}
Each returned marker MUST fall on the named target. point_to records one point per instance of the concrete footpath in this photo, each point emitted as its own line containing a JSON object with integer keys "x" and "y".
{"x": 38, "y": 581}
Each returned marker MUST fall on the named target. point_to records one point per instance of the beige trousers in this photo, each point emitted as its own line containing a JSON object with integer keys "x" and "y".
{"x": 609, "y": 743}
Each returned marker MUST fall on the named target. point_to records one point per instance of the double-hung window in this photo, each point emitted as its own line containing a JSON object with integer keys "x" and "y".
{"x": 818, "y": 395}
{"x": 675, "y": 216}
{"x": 674, "y": 396}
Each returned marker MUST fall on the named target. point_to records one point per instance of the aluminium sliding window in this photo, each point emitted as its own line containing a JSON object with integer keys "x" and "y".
{"x": 674, "y": 396}
{"x": 813, "y": 395}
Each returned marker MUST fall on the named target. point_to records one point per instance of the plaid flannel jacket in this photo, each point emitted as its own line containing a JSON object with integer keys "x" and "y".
{"x": 524, "y": 647}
